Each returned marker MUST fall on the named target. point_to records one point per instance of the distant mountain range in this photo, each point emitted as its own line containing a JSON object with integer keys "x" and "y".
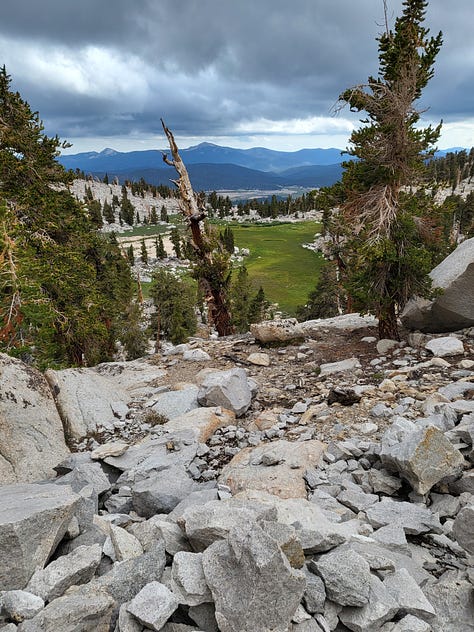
{"x": 212, "y": 167}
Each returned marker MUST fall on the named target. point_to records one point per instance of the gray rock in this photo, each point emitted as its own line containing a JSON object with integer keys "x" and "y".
{"x": 414, "y": 519}
{"x": 126, "y": 579}
{"x": 198, "y": 497}
{"x": 127, "y": 622}
{"x": 213, "y": 521}
{"x": 407, "y": 624}
{"x": 383, "y": 483}
{"x": 392, "y": 537}
{"x": 282, "y": 330}
{"x": 87, "y": 400}
{"x": 380, "y": 608}
{"x": 19, "y": 605}
{"x": 158, "y": 528}
{"x": 445, "y": 347}
{"x": 153, "y": 605}
{"x": 347, "y": 322}
{"x": 126, "y": 545}
{"x": 86, "y": 474}
{"x": 196, "y": 355}
{"x": 343, "y": 366}
{"x": 463, "y": 485}
{"x": 175, "y": 403}
{"x": 31, "y": 431}
{"x": 315, "y": 593}
{"x": 33, "y": 520}
{"x": 161, "y": 492}
{"x": 424, "y": 458}
{"x": 409, "y": 597}
{"x": 356, "y": 500}
{"x": 204, "y": 616}
{"x": 452, "y": 600}
{"x": 76, "y": 568}
{"x": 229, "y": 389}
{"x": 156, "y": 453}
{"x": 306, "y": 626}
{"x": 346, "y": 576}
{"x": 84, "y": 612}
{"x": 188, "y": 578}
{"x": 452, "y": 310}
{"x": 252, "y": 583}
{"x": 463, "y": 529}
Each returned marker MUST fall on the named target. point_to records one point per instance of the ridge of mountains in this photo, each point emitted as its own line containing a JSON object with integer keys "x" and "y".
{"x": 213, "y": 167}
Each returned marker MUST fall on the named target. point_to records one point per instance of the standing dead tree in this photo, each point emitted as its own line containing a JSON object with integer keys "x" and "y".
{"x": 212, "y": 267}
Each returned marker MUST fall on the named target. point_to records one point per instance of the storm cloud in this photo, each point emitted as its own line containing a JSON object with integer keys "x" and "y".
{"x": 239, "y": 73}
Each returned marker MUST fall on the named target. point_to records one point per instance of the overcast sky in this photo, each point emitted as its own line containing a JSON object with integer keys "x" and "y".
{"x": 241, "y": 73}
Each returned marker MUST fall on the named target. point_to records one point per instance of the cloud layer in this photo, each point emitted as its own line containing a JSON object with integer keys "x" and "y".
{"x": 220, "y": 70}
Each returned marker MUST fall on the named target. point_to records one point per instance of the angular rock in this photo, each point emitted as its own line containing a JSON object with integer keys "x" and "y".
{"x": 125, "y": 579}
{"x": 414, "y": 519}
{"x": 346, "y": 576}
{"x": 33, "y": 520}
{"x": 161, "y": 492}
{"x": 252, "y": 584}
{"x": 453, "y": 602}
{"x": 277, "y": 330}
{"x": 189, "y": 583}
{"x": 153, "y": 605}
{"x": 315, "y": 593}
{"x": 463, "y": 528}
{"x": 127, "y": 622}
{"x": 259, "y": 359}
{"x": 285, "y": 478}
{"x": 381, "y": 607}
{"x": 407, "y": 624}
{"x": 196, "y": 355}
{"x": 112, "y": 448}
{"x": 126, "y": 545}
{"x": 87, "y": 612}
{"x": 204, "y": 616}
{"x": 155, "y": 453}
{"x": 348, "y": 322}
{"x": 343, "y": 366}
{"x": 424, "y": 458}
{"x": 409, "y": 597}
{"x": 31, "y": 432}
{"x": 229, "y": 389}
{"x": 213, "y": 521}
{"x": 76, "y": 568}
{"x": 157, "y": 527}
{"x": 87, "y": 400}
{"x": 452, "y": 310}
{"x": 172, "y": 404}
{"x": 445, "y": 347}
{"x": 19, "y": 605}
{"x": 202, "y": 421}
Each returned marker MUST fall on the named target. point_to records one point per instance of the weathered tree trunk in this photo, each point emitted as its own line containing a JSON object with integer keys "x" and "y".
{"x": 388, "y": 326}
{"x": 214, "y": 283}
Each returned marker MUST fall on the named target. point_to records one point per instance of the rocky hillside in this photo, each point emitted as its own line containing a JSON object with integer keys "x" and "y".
{"x": 300, "y": 478}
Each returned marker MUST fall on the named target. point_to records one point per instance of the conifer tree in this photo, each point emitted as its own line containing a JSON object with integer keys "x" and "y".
{"x": 143, "y": 252}
{"x": 63, "y": 286}
{"x": 160, "y": 248}
{"x": 386, "y": 258}
{"x": 131, "y": 255}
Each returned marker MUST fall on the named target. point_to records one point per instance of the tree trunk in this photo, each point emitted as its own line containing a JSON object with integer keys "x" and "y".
{"x": 388, "y": 326}
{"x": 215, "y": 285}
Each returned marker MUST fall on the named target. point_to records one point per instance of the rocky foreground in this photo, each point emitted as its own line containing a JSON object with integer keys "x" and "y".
{"x": 322, "y": 482}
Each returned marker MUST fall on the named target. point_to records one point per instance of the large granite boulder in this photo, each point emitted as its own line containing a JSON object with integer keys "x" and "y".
{"x": 230, "y": 389}
{"x": 251, "y": 582}
{"x": 453, "y": 309}
{"x": 277, "y": 331}
{"x": 33, "y": 520}
{"x": 31, "y": 433}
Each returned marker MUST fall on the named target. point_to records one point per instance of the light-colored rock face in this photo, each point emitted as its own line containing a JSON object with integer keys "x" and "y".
{"x": 445, "y": 346}
{"x": 249, "y": 568}
{"x": 230, "y": 389}
{"x": 33, "y": 520}
{"x": 453, "y": 309}
{"x": 276, "y": 468}
{"x": 31, "y": 432}
{"x": 277, "y": 330}
{"x": 203, "y": 421}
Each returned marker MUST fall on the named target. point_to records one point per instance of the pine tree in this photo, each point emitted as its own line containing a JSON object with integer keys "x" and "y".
{"x": 108, "y": 213}
{"x": 175, "y": 302}
{"x": 386, "y": 258}
{"x": 160, "y": 248}
{"x": 62, "y": 286}
{"x": 164, "y": 214}
{"x": 258, "y": 307}
{"x": 176, "y": 241}
{"x": 143, "y": 252}
{"x": 153, "y": 215}
{"x": 131, "y": 255}
{"x": 240, "y": 294}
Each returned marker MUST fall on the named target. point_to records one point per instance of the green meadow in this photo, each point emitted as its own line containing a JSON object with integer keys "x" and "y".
{"x": 278, "y": 262}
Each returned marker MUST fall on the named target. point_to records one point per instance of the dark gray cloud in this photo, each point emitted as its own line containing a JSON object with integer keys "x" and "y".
{"x": 214, "y": 68}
